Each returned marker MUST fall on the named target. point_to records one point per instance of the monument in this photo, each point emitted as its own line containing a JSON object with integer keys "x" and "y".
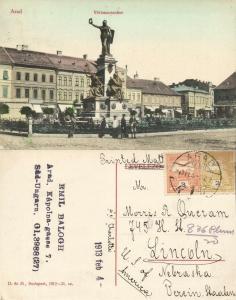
{"x": 107, "y": 90}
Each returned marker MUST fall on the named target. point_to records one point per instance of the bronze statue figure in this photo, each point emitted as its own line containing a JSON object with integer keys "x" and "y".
{"x": 114, "y": 87}
{"x": 107, "y": 36}
{"x": 96, "y": 86}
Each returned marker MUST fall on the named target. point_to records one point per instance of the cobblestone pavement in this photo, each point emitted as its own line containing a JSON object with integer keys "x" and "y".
{"x": 214, "y": 139}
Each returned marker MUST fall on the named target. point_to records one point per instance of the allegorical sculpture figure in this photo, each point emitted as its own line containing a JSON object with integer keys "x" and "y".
{"x": 107, "y": 36}
{"x": 114, "y": 87}
{"x": 96, "y": 86}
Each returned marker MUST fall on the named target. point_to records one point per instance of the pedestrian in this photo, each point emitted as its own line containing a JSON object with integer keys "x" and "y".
{"x": 102, "y": 128}
{"x": 71, "y": 131}
{"x": 133, "y": 126}
{"x": 115, "y": 126}
{"x": 123, "y": 127}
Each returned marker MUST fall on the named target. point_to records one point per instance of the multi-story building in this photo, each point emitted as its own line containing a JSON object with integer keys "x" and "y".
{"x": 152, "y": 96}
{"x": 198, "y": 97}
{"x": 38, "y": 80}
{"x": 225, "y": 97}
{"x": 73, "y": 78}
{"x": 32, "y": 79}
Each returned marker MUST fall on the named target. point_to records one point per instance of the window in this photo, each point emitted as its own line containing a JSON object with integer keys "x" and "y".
{"x": 26, "y": 93}
{"x": 5, "y": 91}
{"x": 70, "y": 81}
{"x": 43, "y": 94}
{"x": 59, "y": 80}
{"x": 65, "y": 95}
{"x": 18, "y": 94}
{"x": 88, "y": 82}
{"x": 59, "y": 95}
{"x": 18, "y": 75}
{"x": 70, "y": 96}
{"x": 77, "y": 81}
{"x": 133, "y": 96}
{"x": 77, "y": 96}
{"x": 5, "y": 75}
{"x": 139, "y": 97}
{"x": 65, "y": 80}
{"x": 51, "y": 94}
{"x": 35, "y": 93}
{"x": 27, "y": 76}
{"x": 51, "y": 78}
{"x": 82, "y": 82}
{"x": 35, "y": 77}
{"x": 43, "y": 77}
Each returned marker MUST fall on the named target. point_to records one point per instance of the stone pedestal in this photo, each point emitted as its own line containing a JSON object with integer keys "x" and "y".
{"x": 98, "y": 107}
{"x": 106, "y": 66}
{"x": 104, "y": 105}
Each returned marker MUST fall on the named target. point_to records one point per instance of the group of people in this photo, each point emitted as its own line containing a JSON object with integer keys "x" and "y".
{"x": 120, "y": 128}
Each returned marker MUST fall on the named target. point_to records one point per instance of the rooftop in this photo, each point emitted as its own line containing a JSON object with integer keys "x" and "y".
{"x": 229, "y": 83}
{"x": 30, "y": 58}
{"x": 184, "y": 88}
{"x": 150, "y": 86}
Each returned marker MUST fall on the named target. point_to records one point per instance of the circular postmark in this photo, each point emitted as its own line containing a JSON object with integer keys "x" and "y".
{"x": 194, "y": 172}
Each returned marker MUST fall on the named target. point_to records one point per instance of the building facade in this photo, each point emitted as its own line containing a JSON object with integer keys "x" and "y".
{"x": 196, "y": 100}
{"x": 39, "y": 80}
{"x": 225, "y": 97}
{"x": 73, "y": 79}
{"x": 152, "y": 96}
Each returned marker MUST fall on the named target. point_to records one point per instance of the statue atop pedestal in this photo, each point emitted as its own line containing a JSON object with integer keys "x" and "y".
{"x": 107, "y": 36}
{"x": 107, "y": 89}
{"x": 114, "y": 87}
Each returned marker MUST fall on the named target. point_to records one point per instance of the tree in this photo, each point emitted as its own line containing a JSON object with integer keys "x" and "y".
{"x": 69, "y": 111}
{"x": 159, "y": 111}
{"x": 27, "y": 111}
{"x": 48, "y": 111}
{"x": 133, "y": 112}
{"x": 147, "y": 111}
{"x": 4, "y": 109}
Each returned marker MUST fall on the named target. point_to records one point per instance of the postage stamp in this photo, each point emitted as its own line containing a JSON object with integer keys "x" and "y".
{"x": 200, "y": 172}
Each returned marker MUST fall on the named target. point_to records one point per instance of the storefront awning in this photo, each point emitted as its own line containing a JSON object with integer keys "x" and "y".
{"x": 166, "y": 111}
{"x": 179, "y": 110}
{"x": 63, "y": 107}
{"x": 37, "y": 108}
{"x": 150, "y": 107}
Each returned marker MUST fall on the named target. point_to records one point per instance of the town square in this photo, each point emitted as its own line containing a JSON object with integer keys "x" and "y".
{"x": 49, "y": 96}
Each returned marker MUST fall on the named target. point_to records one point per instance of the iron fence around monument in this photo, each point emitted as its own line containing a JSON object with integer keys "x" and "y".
{"x": 12, "y": 125}
{"x": 144, "y": 126}
{"x": 183, "y": 124}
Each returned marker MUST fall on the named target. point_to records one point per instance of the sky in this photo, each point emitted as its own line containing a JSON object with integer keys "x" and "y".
{"x": 169, "y": 39}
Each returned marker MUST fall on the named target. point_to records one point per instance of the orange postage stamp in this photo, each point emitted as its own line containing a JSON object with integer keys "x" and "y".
{"x": 200, "y": 172}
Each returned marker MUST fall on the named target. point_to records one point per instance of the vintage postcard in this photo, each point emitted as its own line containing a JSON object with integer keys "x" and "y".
{"x": 117, "y": 225}
{"x": 117, "y": 149}
{"x": 119, "y": 74}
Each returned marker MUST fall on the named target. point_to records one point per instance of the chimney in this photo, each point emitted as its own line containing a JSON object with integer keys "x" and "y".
{"x": 85, "y": 56}
{"x": 156, "y": 79}
{"x": 59, "y": 52}
{"x": 22, "y": 47}
{"x": 136, "y": 75}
